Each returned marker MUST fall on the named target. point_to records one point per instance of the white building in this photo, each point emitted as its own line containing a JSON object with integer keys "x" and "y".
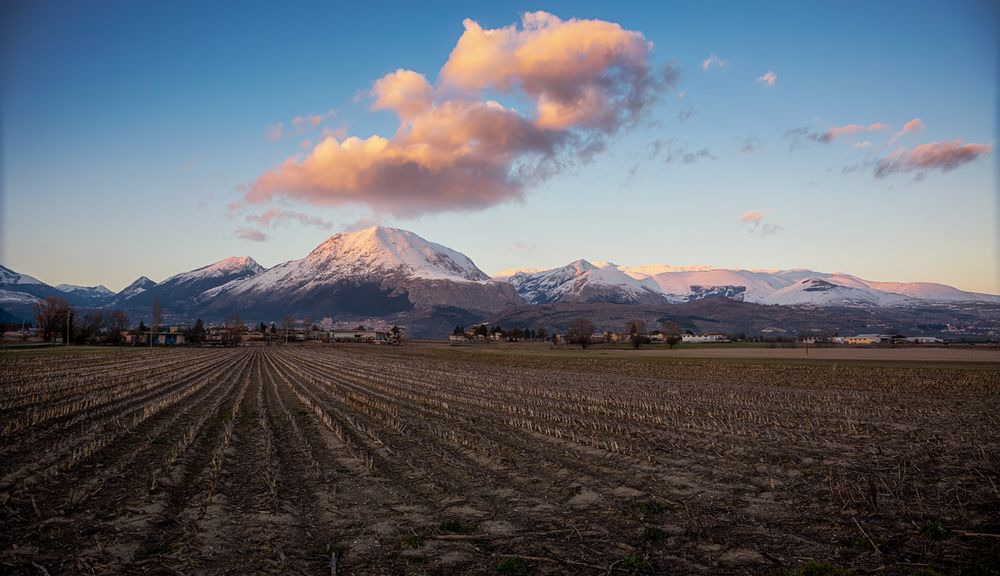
{"x": 702, "y": 338}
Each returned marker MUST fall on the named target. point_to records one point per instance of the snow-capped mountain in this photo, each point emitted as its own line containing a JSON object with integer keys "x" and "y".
{"x": 99, "y": 291}
{"x": 181, "y": 293}
{"x": 377, "y": 270}
{"x": 582, "y": 281}
{"x": 8, "y": 276}
{"x": 140, "y": 285}
{"x": 386, "y": 273}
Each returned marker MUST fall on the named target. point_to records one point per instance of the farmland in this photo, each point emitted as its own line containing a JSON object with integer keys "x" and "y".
{"x": 371, "y": 460}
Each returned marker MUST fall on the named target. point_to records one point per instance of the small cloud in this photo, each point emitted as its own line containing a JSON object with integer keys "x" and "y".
{"x": 252, "y": 234}
{"x": 915, "y": 125}
{"x": 274, "y": 131}
{"x": 713, "y": 61}
{"x": 685, "y": 113}
{"x": 863, "y": 144}
{"x": 835, "y": 132}
{"x": 361, "y": 224}
{"x": 305, "y": 144}
{"x": 274, "y": 216}
{"x": 303, "y": 123}
{"x": 750, "y": 145}
{"x": 674, "y": 153}
{"x": 942, "y": 156}
{"x": 756, "y": 222}
{"x": 797, "y": 135}
{"x": 768, "y": 78}
{"x": 234, "y": 209}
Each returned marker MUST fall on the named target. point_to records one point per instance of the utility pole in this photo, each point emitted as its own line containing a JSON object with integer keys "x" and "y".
{"x": 69, "y": 314}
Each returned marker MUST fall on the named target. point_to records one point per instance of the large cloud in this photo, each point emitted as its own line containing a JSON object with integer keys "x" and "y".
{"x": 941, "y": 156}
{"x": 454, "y": 148}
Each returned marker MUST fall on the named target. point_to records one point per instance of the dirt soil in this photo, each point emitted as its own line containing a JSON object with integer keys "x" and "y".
{"x": 359, "y": 459}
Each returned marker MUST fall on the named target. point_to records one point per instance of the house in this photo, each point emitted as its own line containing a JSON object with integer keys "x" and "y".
{"x": 702, "y": 338}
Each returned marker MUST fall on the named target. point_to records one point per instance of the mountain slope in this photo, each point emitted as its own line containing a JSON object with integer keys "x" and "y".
{"x": 181, "y": 293}
{"x": 373, "y": 272}
{"x": 582, "y": 281}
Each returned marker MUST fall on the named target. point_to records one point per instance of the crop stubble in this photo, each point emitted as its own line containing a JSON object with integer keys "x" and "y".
{"x": 384, "y": 461}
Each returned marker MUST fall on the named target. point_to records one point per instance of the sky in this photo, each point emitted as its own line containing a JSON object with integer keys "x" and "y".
{"x": 151, "y": 138}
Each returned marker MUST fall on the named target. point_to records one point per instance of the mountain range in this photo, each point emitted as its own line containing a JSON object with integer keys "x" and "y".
{"x": 383, "y": 274}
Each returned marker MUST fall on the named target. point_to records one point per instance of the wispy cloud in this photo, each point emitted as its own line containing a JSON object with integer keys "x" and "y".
{"x": 275, "y": 131}
{"x": 915, "y": 125}
{"x": 756, "y": 222}
{"x": 303, "y": 123}
{"x": 798, "y": 135}
{"x": 750, "y": 145}
{"x": 713, "y": 61}
{"x": 768, "y": 78}
{"x": 274, "y": 216}
{"x": 685, "y": 113}
{"x": 455, "y": 149}
{"x": 252, "y": 234}
{"x": 942, "y": 156}
{"x": 670, "y": 152}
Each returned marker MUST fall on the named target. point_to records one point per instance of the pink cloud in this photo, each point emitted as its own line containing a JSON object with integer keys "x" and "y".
{"x": 840, "y": 131}
{"x": 753, "y": 216}
{"x": 303, "y": 123}
{"x": 588, "y": 73}
{"x": 252, "y": 234}
{"x": 769, "y": 78}
{"x": 455, "y": 150}
{"x": 943, "y": 156}
{"x": 756, "y": 222}
{"x": 863, "y": 144}
{"x": 404, "y": 91}
{"x": 274, "y": 216}
{"x": 915, "y": 125}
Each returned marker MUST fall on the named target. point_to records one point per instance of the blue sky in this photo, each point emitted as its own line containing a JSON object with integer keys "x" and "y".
{"x": 128, "y": 128}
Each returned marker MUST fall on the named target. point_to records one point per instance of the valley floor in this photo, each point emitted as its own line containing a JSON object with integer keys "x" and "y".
{"x": 429, "y": 459}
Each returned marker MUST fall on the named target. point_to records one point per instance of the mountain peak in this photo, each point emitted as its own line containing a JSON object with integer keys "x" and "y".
{"x": 391, "y": 249}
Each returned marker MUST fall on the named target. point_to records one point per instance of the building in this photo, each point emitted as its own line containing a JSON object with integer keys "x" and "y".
{"x": 924, "y": 340}
{"x": 863, "y": 339}
{"x": 702, "y": 338}
{"x": 162, "y": 338}
{"x": 360, "y": 336}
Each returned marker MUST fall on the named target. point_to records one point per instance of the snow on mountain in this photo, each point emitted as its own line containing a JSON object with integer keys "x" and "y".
{"x": 376, "y": 270}
{"x": 374, "y": 252}
{"x": 233, "y": 266}
{"x": 933, "y": 291}
{"x": 9, "y": 297}
{"x": 820, "y": 292}
{"x": 583, "y": 281}
{"x": 98, "y": 291}
{"x": 8, "y": 276}
{"x": 768, "y": 286}
{"x": 140, "y": 285}
{"x": 505, "y": 274}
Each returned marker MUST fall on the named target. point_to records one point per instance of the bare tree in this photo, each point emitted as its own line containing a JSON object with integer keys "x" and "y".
{"x": 580, "y": 331}
{"x": 52, "y": 316}
{"x": 157, "y": 319}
